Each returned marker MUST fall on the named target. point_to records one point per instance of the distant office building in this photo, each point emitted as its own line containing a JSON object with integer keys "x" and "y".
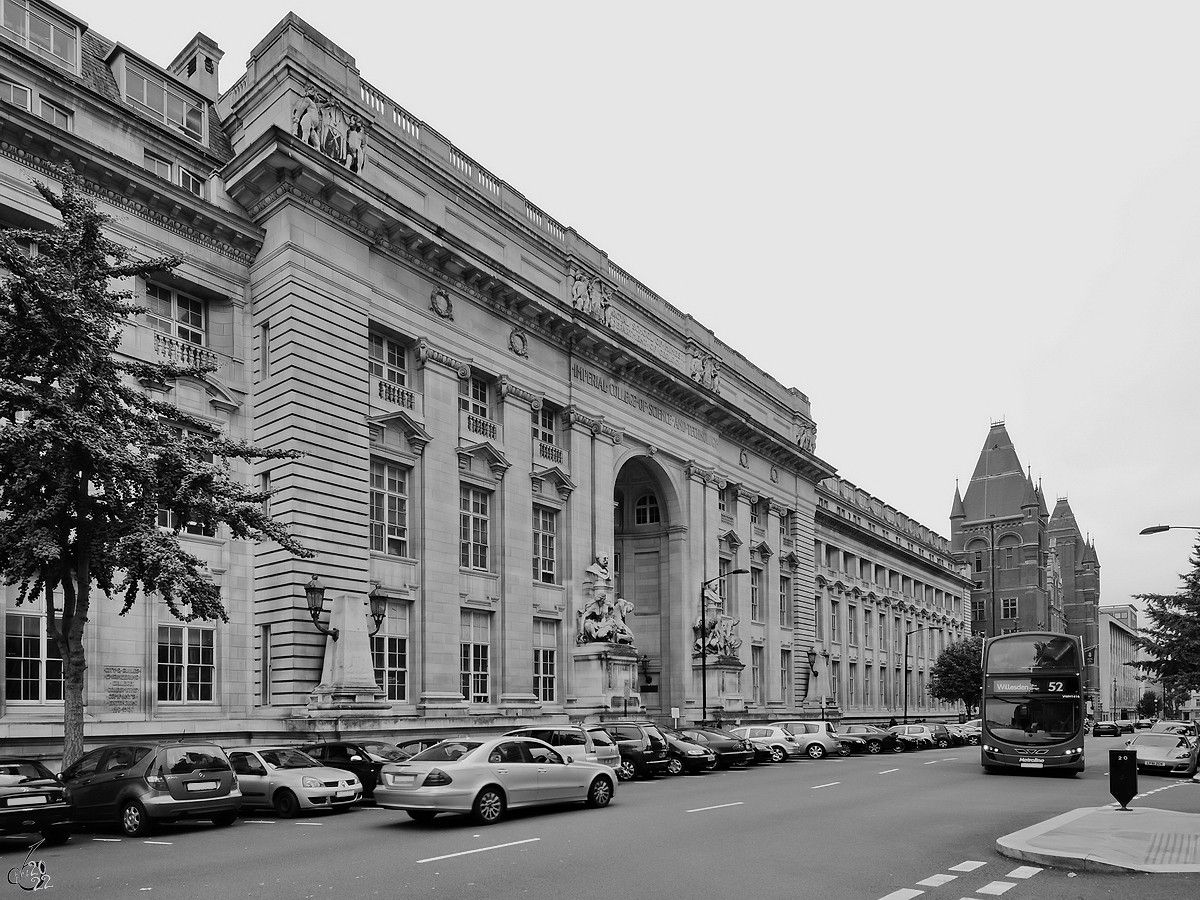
{"x": 1121, "y": 685}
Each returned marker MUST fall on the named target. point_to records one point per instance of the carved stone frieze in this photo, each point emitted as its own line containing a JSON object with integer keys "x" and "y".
{"x": 324, "y": 123}
{"x": 589, "y": 294}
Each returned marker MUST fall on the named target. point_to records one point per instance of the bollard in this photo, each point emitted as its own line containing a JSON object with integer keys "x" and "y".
{"x": 1122, "y": 775}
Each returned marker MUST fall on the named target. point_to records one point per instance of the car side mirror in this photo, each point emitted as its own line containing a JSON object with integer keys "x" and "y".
{"x": 570, "y": 759}
{"x": 356, "y": 758}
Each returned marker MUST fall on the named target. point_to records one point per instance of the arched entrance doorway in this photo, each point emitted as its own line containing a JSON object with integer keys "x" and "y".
{"x": 644, "y": 505}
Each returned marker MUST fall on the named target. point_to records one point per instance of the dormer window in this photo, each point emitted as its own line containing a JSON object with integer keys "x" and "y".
{"x": 152, "y": 95}
{"x": 40, "y": 31}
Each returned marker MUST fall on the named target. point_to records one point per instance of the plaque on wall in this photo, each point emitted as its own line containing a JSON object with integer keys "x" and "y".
{"x": 123, "y": 688}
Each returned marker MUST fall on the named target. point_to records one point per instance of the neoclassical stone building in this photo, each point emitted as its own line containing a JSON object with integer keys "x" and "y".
{"x": 521, "y": 466}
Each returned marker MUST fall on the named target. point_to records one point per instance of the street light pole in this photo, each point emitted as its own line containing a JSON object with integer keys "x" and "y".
{"x": 906, "y": 636}
{"x": 704, "y": 642}
{"x": 992, "y": 566}
{"x": 1158, "y": 529}
{"x": 1114, "y": 698}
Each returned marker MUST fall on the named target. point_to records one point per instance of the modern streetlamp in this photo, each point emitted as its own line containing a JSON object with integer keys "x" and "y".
{"x": 704, "y": 641}
{"x": 1157, "y": 529}
{"x": 992, "y": 566}
{"x": 314, "y": 592}
{"x": 906, "y": 636}
{"x": 1114, "y": 713}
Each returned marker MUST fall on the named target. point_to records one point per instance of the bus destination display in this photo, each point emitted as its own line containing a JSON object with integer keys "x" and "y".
{"x": 1066, "y": 686}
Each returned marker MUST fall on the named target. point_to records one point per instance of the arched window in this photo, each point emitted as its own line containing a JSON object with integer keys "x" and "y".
{"x": 645, "y": 511}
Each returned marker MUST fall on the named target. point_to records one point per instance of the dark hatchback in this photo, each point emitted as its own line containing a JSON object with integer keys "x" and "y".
{"x": 142, "y": 784}
{"x": 1107, "y": 728}
{"x": 643, "y": 747}
{"x": 878, "y": 740}
{"x": 730, "y": 749}
{"x": 363, "y": 758}
{"x": 32, "y": 800}
{"x": 687, "y": 757}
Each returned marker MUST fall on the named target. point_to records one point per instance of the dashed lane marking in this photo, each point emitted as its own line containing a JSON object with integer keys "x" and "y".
{"x": 937, "y": 880}
{"x": 902, "y": 894}
{"x": 1023, "y": 872}
{"x": 108, "y": 840}
{"x": 817, "y": 787}
{"x": 969, "y": 865}
{"x": 719, "y": 806}
{"x": 320, "y": 824}
{"x": 933, "y": 762}
{"x": 888, "y": 771}
{"x": 949, "y": 758}
{"x": 478, "y": 850}
{"x": 159, "y": 843}
{"x": 257, "y": 822}
{"x": 996, "y": 888}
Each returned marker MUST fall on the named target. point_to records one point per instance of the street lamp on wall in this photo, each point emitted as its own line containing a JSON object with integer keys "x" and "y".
{"x": 704, "y": 641}
{"x": 314, "y": 593}
{"x": 812, "y": 670}
{"x": 378, "y": 601}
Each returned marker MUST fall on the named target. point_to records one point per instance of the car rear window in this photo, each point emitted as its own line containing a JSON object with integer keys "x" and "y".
{"x": 447, "y": 751}
{"x": 600, "y": 738}
{"x": 181, "y": 760}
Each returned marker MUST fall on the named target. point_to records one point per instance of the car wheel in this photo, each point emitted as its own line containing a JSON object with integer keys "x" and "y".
{"x": 225, "y": 819}
{"x": 973, "y": 740}
{"x": 942, "y": 743}
{"x": 286, "y": 804}
{"x": 600, "y": 794}
{"x": 815, "y": 751}
{"x": 778, "y": 754}
{"x": 626, "y": 770}
{"x": 874, "y": 746}
{"x": 57, "y": 835}
{"x": 674, "y": 766}
{"x": 134, "y": 821}
{"x": 421, "y": 815}
{"x": 489, "y": 806}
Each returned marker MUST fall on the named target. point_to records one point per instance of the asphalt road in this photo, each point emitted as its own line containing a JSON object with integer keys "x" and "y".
{"x": 866, "y": 827}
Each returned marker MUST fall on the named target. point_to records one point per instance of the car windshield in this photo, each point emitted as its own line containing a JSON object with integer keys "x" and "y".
{"x": 1158, "y": 740}
{"x": 382, "y": 751}
{"x": 288, "y": 759}
{"x": 447, "y": 751}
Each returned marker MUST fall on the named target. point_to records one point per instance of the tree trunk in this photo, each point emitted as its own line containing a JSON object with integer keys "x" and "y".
{"x": 74, "y": 685}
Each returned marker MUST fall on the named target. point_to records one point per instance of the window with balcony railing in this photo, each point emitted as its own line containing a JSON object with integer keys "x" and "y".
{"x": 178, "y": 315}
{"x": 542, "y": 428}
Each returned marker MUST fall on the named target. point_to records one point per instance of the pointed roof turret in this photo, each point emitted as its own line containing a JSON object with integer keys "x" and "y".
{"x": 1063, "y": 519}
{"x": 1089, "y": 555}
{"x": 1031, "y": 494}
{"x": 956, "y": 509}
{"x": 998, "y": 485}
{"x": 1042, "y": 510}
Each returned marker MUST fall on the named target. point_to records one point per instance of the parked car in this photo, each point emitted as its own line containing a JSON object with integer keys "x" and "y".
{"x": 781, "y": 743}
{"x": 363, "y": 758}
{"x": 643, "y": 749}
{"x": 413, "y": 746}
{"x": 32, "y": 800}
{"x": 1106, "y": 728}
{"x": 1142, "y": 723}
{"x": 1190, "y": 729}
{"x": 487, "y": 777}
{"x": 943, "y": 737}
{"x": 686, "y": 756}
{"x": 924, "y": 737}
{"x": 969, "y": 734}
{"x": 1165, "y": 752}
{"x": 815, "y": 740}
{"x": 878, "y": 740}
{"x": 289, "y": 780}
{"x": 1126, "y": 725}
{"x": 729, "y": 749}
{"x": 593, "y": 744}
{"x": 143, "y": 783}
{"x": 762, "y": 751}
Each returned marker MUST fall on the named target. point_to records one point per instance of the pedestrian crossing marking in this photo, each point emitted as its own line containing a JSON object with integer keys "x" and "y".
{"x": 996, "y": 888}
{"x": 969, "y": 866}
{"x": 1023, "y": 872}
{"x": 937, "y": 880}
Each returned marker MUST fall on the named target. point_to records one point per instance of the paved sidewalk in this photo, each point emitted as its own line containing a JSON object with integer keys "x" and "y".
{"x": 1108, "y": 839}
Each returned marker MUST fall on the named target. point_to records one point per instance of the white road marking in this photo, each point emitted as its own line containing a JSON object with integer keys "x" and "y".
{"x": 258, "y": 822}
{"x": 720, "y": 806}
{"x": 996, "y": 888}
{"x": 160, "y": 843}
{"x": 969, "y": 866}
{"x": 108, "y": 840}
{"x": 817, "y": 787}
{"x": 322, "y": 824}
{"x": 1023, "y": 872}
{"x": 902, "y": 894}
{"x": 949, "y": 758}
{"x": 888, "y": 771}
{"x": 932, "y": 762}
{"x": 937, "y": 880}
{"x": 478, "y": 850}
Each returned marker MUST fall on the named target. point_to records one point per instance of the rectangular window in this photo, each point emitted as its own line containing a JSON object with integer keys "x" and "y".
{"x": 58, "y": 116}
{"x": 1008, "y": 607}
{"x": 156, "y": 165}
{"x": 545, "y": 655}
{"x": 785, "y": 602}
{"x": 756, "y": 591}
{"x": 545, "y": 522}
{"x": 977, "y": 611}
{"x": 835, "y": 680}
{"x": 852, "y": 685}
{"x": 473, "y": 528}
{"x": 542, "y": 426}
{"x": 185, "y": 664}
{"x": 756, "y": 662}
{"x": 389, "y": 508}
{"x": 264, "y": 341}
{"x": 785, "y": 677}
{"x": 867, "y": 674}
{"x": 835, "y": 610}
{"x": 1008, "y": 557}
{"x": 852, "y": 625}
{"x": 819, "y": 612}
{"x": 896, "y": 632}
{"x": 722, "y": 499}
{"x": 475, "y": 647}
{"x": 724, "y": 591}
{"x": 866, "y": 628}
{"x": 882, "y": 631}
{"x": 152, "y": 95}
{"x": 16, "y": 94}
{"x": 175, "y": 314}
{"x": 754, "y": 512}
{"x": 473, "y": 397}
{"x": 264, "y": 675}
{"x": 191, "y": 182}
{"x": 389, "y": 653}
{"x": 387, "y": 360}
{"x": 264, "y": 486}
{"x": 39, "y": 30}
{"x": 32, "y": 666}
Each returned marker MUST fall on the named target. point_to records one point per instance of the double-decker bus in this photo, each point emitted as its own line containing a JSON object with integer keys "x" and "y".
{"x": 1033, "y": 707}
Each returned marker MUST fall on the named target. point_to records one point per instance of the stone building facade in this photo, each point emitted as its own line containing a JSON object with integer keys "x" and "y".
{"x": 541, "y": 476}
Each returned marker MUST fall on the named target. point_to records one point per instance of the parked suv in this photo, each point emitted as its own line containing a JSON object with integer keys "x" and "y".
{"x": 816, "y": 740}
{"x": 782, "y": 743}
{"x": 643, "y": 749}
{"x": 142, "y": 783}
{"x": 590, "y": 744}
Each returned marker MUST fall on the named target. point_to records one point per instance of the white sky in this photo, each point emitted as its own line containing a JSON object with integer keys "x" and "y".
{"x": 925, "y": 216}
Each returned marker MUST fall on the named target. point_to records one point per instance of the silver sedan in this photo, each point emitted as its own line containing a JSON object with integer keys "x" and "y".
{"x": 487, "y": 777}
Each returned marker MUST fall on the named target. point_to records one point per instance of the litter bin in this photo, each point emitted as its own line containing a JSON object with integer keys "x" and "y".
{"x": 1122, "y": 775}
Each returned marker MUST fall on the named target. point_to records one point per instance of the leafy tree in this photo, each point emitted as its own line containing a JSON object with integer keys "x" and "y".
{"x": 957, "y": 676}
{"x": 1172, "y": 640}
{"x": 88, "y": 457}
{"x": 1148, "y": 705}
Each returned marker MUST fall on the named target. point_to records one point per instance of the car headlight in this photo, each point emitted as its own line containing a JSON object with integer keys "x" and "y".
{"x": 309, "y": 781}
{"x": 696, "y": 753}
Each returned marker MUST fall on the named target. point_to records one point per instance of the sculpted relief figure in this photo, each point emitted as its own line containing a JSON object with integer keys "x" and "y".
{"x": 603, "y": 620}
{"x": 323, "y": 123}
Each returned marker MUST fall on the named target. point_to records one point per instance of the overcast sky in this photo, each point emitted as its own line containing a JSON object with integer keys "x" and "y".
{"x": 926, "y": 216}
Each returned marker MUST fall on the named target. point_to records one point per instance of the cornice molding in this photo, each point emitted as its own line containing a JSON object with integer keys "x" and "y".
{"x": 427, "y": 353}
{"x": 507, "y": 387}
